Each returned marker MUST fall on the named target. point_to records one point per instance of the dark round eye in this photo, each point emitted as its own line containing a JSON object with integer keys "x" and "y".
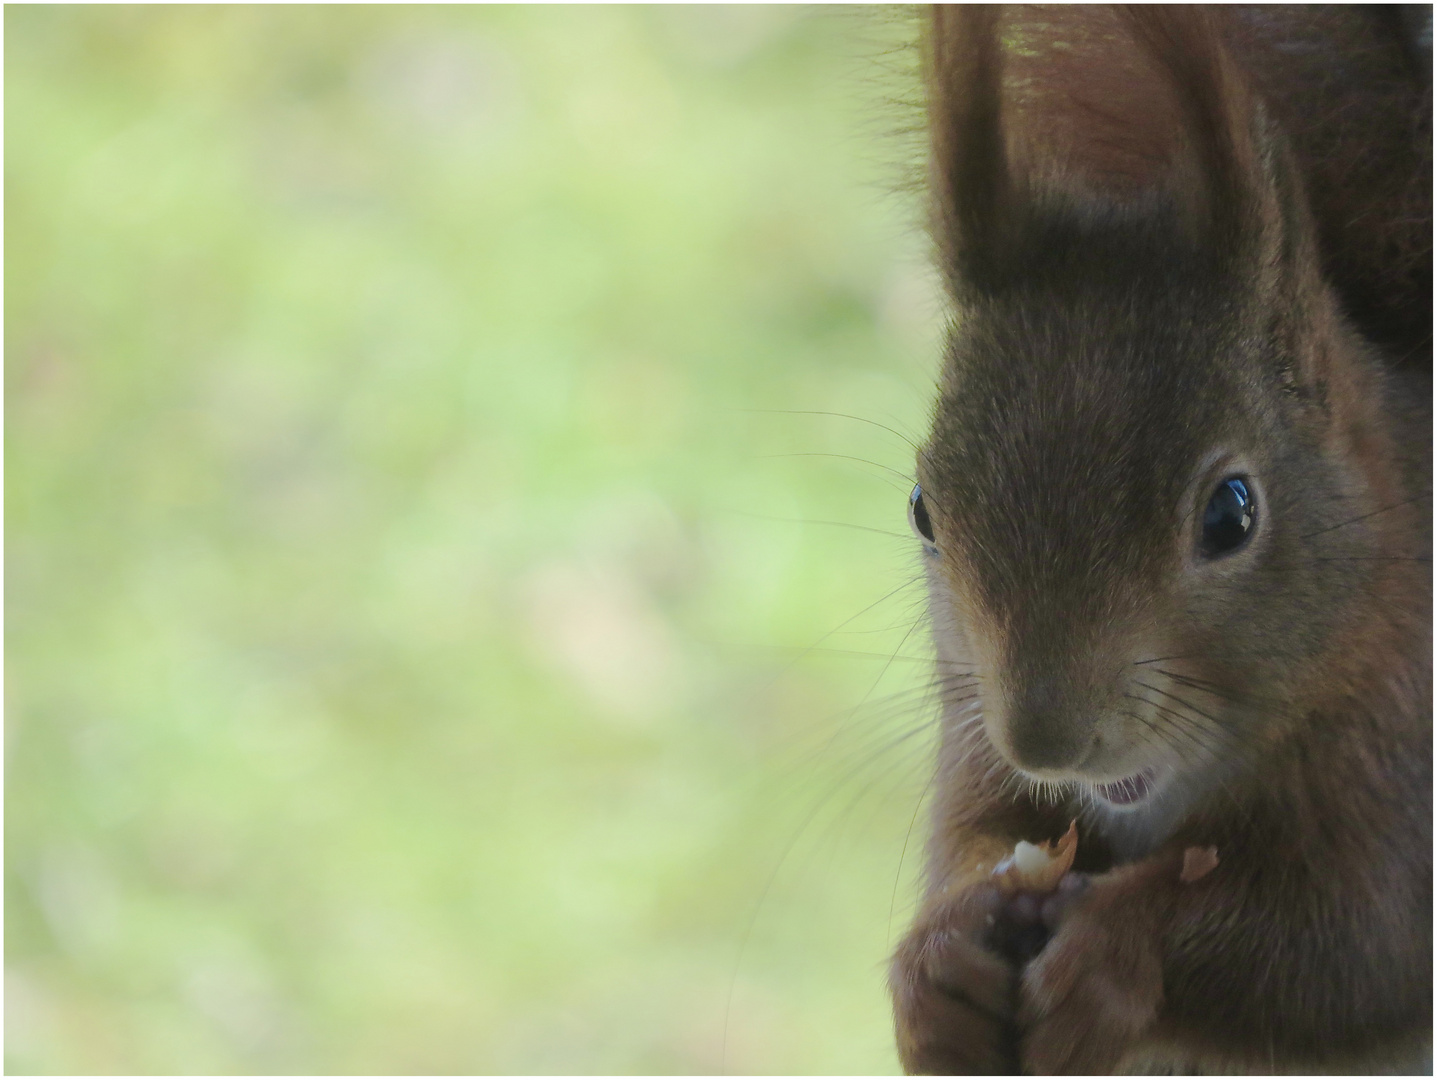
{"x": 1230, "y": 517}
{"x": 918, "y": 515}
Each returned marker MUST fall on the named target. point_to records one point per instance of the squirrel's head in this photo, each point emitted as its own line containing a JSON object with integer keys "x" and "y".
{"x": 1143, "y": 497}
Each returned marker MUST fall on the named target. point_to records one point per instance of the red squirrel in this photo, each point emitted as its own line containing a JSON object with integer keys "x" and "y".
{"x": 1175, "y": 516}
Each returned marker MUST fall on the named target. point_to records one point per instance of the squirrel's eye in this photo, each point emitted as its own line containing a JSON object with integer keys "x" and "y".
{"x": 1229, "y": 518}
{"x": 918, "y": 515}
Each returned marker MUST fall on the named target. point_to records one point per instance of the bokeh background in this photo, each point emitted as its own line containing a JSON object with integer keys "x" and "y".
{"x": 460, "y": 613}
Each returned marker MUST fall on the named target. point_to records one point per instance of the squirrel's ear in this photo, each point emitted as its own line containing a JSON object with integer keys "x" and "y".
{"x": 973, "y": 199}
{"x": 1094, "y": 105}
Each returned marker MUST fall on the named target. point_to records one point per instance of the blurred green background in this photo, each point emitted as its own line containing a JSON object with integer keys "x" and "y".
{"x": 427, "y": 650}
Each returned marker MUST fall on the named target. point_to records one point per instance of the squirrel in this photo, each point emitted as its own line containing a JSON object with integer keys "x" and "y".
{"x": 1175, "y": 519}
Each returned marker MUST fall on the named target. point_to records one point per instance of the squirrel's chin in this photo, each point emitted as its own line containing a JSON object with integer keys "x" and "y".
{"x": 1129, "y": 793}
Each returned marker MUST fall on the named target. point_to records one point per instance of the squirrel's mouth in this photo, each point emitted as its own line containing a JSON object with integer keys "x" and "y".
{"x": 1129, "y": 791}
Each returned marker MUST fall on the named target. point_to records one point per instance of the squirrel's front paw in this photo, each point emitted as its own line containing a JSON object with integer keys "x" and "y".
{"x": 1092, "y": 992}
{"x": 954, "y": 999}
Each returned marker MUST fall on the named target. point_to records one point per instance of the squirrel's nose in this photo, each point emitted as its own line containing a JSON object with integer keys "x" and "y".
{"x": 1047, "y": 721}
{"x": 1048, "y": 706}
{"x": 1047, "y": 738}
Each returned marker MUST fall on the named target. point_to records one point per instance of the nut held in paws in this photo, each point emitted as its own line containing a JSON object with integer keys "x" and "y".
{"x": 1037, "y": 867}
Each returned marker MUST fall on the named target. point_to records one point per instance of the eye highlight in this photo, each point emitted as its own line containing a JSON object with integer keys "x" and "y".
{"x": 918, "y": 518}
{"x": 1230, "y": 517}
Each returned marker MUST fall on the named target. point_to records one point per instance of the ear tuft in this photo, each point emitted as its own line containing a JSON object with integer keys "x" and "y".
{"x": 970, "y": 182}
{"x": 1110, "y": 108}
{"x": 1218, "y": 115}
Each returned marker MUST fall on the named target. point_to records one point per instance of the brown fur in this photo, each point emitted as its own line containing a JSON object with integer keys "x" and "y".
{"x": 1145, "y": 229}
{"x": 1355, "y": 101}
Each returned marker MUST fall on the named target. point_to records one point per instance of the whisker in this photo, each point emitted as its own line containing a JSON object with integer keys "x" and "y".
{"x": 908, "y": 536}
{"x": 1364, "y": 517}
{"x": 908, "y": 477}
{"x": 903, "y": 851}
{"x": 1183, "y": 726}
{"x": 844, "y": 416}
{"x": 1371, "y": 558}
{"x": 1265, "y": 706}
{"x": 1180, "y": 701}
